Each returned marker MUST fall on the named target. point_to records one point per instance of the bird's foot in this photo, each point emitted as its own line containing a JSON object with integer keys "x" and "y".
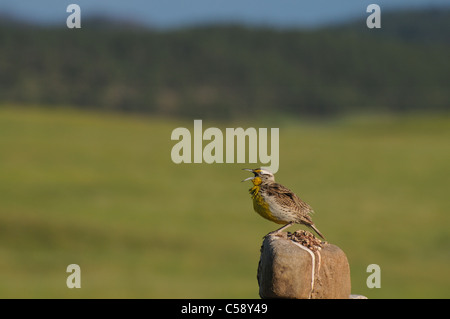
{"x": 279, "y": 230}
{"x": 277, "y": 234}
{"x": 272, "y": 233}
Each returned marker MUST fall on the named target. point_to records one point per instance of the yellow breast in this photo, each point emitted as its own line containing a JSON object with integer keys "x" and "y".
{"x": 261, "y": 207}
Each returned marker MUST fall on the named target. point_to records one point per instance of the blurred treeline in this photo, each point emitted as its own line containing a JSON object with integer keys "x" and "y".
{"x": 231, "y": 71}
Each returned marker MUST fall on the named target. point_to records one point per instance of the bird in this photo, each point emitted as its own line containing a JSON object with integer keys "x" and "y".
{"x": 277, "y": 203}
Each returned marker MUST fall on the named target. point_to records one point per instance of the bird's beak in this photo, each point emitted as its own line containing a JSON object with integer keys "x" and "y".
{"x": 248, "y": 178}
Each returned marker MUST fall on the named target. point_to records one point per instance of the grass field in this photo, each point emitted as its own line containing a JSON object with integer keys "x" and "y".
{"x": 100, "y": 190}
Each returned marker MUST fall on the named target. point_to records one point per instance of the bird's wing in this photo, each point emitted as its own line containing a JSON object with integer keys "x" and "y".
{"x": 286, "y": 197}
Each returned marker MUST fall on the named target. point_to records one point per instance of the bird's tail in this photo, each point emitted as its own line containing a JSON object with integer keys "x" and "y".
{"x": 317, "y": 231}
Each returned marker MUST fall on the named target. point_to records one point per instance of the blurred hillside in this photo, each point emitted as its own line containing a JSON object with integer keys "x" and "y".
{"x": 231, "y": 71}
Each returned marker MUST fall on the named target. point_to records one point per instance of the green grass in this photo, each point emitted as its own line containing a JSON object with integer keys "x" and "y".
{"x": 100, "y": 190}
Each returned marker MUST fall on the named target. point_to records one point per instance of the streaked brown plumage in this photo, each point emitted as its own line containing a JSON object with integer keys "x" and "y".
{"x": 277, "y": 203}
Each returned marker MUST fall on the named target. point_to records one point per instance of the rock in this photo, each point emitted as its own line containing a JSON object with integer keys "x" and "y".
{"x": 288, "y": 269}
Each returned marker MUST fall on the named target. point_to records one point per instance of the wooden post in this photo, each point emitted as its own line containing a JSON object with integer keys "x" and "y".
{"x": 299, "y": 266}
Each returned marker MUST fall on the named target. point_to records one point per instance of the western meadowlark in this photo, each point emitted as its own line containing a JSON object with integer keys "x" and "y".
{"x": 277, "y": 203}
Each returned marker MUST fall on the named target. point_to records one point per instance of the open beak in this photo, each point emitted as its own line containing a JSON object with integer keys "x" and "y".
{"x": 248, "y": 178}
